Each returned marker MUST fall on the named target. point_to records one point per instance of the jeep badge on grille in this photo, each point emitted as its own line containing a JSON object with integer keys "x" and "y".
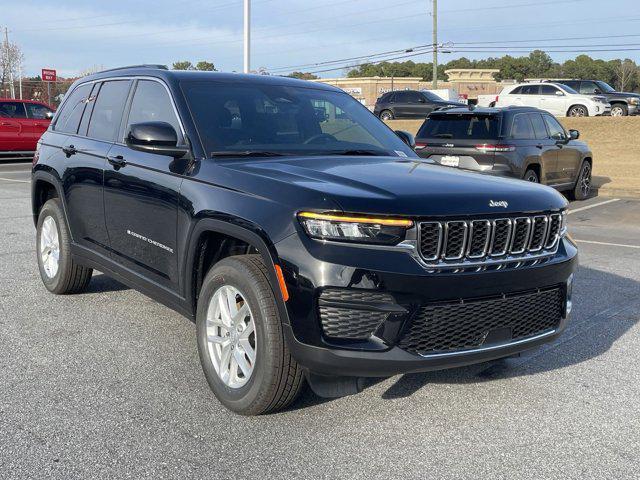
{"x": 499, "y": 203}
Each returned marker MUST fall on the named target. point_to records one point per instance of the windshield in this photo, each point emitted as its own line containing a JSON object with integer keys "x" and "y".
{"x": 566, "y": 88}
{"x": 460, "y": 126}
{"x": 431, "y": 96}
{"x": 605, "y": 87}
{"x": 258, "y": 119}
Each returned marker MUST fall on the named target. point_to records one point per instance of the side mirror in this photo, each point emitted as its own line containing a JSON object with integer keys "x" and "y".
{"x": 597, "y": 91}
{"x": 48, "y": 115}
{"x": 559, "y": 93}
{"x": 407, "y": 138}
{"x": 574, "y": 134}
{"x": 155, "y": 137}
{"x": 422, "y": 100}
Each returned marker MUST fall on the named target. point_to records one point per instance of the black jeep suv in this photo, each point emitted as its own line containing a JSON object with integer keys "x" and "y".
{"x": 518, "y": 142}
{"x": 622, "y": 103}
{"x": 304, "y": 245}
{"x": 410, "y": 104}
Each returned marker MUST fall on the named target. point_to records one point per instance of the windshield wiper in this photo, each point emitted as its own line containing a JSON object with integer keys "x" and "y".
{"x": 359, "y": 151}
{"x": 246, "y": 153}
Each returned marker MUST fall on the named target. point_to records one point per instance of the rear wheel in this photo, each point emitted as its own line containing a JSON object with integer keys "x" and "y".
{"x": 578, "y": 111}
{"x": 582, "y": 188}
{"x": 619, "y": 110}
{"x": 241, "y": 344}
{"x": 531, "y": 176}
{"x": 386, "y": 115}
{"x": 58, "y": 270}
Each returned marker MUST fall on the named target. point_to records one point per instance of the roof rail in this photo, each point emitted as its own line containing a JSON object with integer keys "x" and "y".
{"x": 154, "y": 66}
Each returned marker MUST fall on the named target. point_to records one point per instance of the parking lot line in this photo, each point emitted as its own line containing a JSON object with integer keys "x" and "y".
{"x": 576, "y": 210}
{"x": 14, "y": 180}
{"x": 608, "y": 244}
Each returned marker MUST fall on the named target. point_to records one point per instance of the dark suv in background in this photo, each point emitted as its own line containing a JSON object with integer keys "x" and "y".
{"x": 519, "y": 142}
{"x": 305, "y": 244}
{"x": 410, "y": 104}
{"x": 622, "y": 103}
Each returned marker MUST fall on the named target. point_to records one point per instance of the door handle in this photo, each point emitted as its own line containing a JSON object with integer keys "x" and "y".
{"x": 70, "y": 150}
{"x": 118, "y": 161}
{"x": 6, "y": 124}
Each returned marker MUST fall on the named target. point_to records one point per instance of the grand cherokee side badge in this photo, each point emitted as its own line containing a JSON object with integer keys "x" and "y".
{"x": 499, "y": 203}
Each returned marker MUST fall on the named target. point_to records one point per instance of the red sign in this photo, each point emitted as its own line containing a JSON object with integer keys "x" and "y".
{"x": 48, "y": 75}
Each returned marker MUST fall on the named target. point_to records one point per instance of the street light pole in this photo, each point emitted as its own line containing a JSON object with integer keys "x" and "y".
{"x": 247, "y": 36}
{"x": 435, "y": 44}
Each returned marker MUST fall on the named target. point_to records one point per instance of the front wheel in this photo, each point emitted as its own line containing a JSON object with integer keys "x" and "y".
{"x": 386, "y": 115}
{"x": 578, "y": 111}
{"x": 619, "y": 110}
{"x": 241, "y": 343}
{"x": 531, "y": 176}
{"x": 60, "y": 273}
{"x": 582, "y": 188}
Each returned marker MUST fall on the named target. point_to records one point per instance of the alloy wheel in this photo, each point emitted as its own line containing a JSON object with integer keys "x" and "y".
{"x": 585, "y": 180}
{"x": 617, "y": 111}
{"x": 578, "y": 112}
{"x": 49, "y": 247}
{"x": 231, "y": 336}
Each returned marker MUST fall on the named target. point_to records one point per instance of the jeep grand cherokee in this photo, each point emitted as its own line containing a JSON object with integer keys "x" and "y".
{"x": 305, "y": 239}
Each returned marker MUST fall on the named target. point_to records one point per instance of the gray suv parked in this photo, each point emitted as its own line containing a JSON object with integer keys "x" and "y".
{"x": 520, "y": 142}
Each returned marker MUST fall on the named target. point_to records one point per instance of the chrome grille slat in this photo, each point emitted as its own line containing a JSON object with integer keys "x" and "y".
{"x": 474, "y": 241}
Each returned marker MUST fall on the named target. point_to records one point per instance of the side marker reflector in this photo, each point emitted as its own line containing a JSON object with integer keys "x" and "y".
{"x": 283, "y": 286}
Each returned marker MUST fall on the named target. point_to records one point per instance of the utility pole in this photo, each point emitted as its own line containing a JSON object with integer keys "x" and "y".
{"x": 20, "y": 80}
{"x": 435, "y": 44}
{"x": 247, "y": 36}
{"x": 8, "y": 63}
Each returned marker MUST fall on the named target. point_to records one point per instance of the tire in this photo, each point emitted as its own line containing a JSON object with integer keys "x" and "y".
{"x": 619, "y": 110}
{"x": 582, "y": 188}
{"x": 531, "y": 176}
{"x": 61, "y": 275}
{"x": 273, "y": 379}
{"x": 386, "y": 115}
{"x": 578, "y": 111}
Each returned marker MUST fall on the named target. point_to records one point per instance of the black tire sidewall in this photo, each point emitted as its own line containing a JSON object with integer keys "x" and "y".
{"x": 586, "y": 111}
{"x": 387, "y": 113}
{"x": 52, "y": 209}
{"x": 577, "y": 191}
{"x": 624, "y": 108}
{"x": 251, "y": 397}
{"x": 528, "y": 173}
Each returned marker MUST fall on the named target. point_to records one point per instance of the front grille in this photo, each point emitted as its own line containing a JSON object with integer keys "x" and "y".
{"x": 478, "y": 240}
{"x": 447, "y": 327}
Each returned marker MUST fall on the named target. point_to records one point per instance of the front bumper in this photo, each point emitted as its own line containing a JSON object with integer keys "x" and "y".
{"x": 600, "y": 109}
{"x": 311, "y": 267}
{"x": 634, "y": 109}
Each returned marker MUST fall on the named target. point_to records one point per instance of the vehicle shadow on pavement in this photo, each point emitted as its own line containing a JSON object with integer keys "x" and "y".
{"x": 606, "y": 306}
{"x": 101, "y": 283}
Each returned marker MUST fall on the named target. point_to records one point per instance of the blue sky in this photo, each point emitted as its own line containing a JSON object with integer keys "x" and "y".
{"x": 73, "y": 36}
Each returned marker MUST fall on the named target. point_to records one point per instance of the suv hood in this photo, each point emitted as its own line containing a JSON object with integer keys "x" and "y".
{"x": 399, "y": 186}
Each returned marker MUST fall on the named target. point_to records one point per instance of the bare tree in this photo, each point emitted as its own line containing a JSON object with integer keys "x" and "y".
{"x": 11, "y": 59}
{"x": 625, "y": 72}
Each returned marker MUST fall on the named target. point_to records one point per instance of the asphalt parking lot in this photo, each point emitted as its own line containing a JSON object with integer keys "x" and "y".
{"x": 108, "y": 384}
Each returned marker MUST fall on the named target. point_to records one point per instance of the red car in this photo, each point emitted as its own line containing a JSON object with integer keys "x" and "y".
{"x": 22, "y": 122}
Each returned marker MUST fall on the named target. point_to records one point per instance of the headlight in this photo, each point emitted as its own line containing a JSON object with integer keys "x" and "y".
{"x": 354, "y": 228}
{"x": 634, "y": 100}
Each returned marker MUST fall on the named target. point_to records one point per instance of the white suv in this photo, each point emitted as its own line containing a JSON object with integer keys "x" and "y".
{"x": 555, "y": 98}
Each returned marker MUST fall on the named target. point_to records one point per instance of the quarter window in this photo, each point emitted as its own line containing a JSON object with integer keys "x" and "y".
{"x": 107, "y": 112}
{"x": 516, "y": 91}
{"x": 72, "y": 108}
{"x": 151, "y": 103}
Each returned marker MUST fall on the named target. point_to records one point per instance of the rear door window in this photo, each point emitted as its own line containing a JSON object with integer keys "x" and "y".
{"x": 548, "y": 90}
{"x": 13, "y": 109}
{"x": 521, "y": 128}
{"x": 107, "y": 112}
{"x": 408, "y": 97}
{"x": 466, "y": 126}
{"x": 72, "y": 108}
{"x": 539, "y": 128}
